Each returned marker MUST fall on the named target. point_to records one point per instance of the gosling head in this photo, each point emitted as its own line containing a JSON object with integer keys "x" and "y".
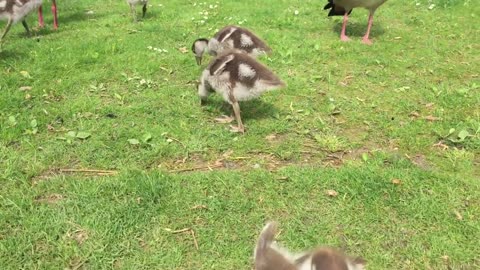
{"x": 198, "y": 48}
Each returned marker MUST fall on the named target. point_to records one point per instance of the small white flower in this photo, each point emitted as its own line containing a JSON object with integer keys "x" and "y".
{"x": 296, "y": 12}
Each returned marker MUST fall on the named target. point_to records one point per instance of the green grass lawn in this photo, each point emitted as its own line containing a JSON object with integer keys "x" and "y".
{"x": 393, "y": 129}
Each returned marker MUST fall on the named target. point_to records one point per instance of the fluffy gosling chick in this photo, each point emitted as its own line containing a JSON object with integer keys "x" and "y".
{"x": 269, "y": 256}
{"x": 230, "y": 37}
{"x": 15, "y": 10}
{"x": 134, "y": 3}
{"x": 237, "y": 77}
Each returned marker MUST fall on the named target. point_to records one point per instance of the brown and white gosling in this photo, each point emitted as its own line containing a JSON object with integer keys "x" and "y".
{"x": 237, "y": 77}
{"x": 133, "y": 3}
{"x": 230, "y": 37}
{"x": 344, "y": 7}
{"x": 270, "y": 256}
{"x": 15, "y": 10}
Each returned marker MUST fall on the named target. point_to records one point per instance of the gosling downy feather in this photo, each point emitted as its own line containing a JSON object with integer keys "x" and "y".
{"x": 230, "y": 37}
{"x": 237, "y": 77}
{"x": 268, "y": 255}
{"x": 15, "y": 10}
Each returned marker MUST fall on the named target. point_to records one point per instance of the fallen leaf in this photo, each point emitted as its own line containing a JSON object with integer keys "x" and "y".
{"x": 224, "y": 119}
{"x": 146, "y": 137}
{"x": 441, "y": 145}
{"x": 51, "y": 198}
{"x": 83, "y": 135}
{"x": 183, "y": 49}
{"x": 463, "y": 134}
{"x": 227, "y": 154}
{"x": 218, "y": 163}
{"x": 396, "y": 181}
{"x": 133, "y": 141}
{"x": 432, "y": 118}
{"x": 271, "y": 137}
{"x": 458, "y": 215}
{"x": 25, "y": 74}
{"x": 365, "y": 157}
{"x": 429, "y": 105}
{"x": 28, "y": 96}
{"x": 414, "y": 114}
{"x": 331, "y": 193}
{"x": 25, "y": 88}
{"x": 80, "y": 236}
{"x": 200, "y": 206}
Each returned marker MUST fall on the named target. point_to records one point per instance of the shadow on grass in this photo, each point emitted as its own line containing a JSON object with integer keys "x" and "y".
{"x": 253, "y": 109}
{"x": 10, "y": 53}
{"x": 359, "y": 29}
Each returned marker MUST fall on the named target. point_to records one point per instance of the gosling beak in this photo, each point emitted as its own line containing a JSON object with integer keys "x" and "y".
{"x": 199, "y": 60}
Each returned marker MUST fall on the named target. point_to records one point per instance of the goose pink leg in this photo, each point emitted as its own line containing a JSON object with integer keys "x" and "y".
{"x": 366, "y": 38}
{"x": 343, "y": 36}
{"x": 54, "y": 11}
{"x": 41, "y": 23}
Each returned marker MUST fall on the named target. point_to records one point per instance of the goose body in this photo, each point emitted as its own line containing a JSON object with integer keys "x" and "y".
{"x": 345, "y": 7}
{"x": 237, "y": 77}
{"x": 270, "y": 256}
{"x": 54, "y": 12}
{"x": 133, "y": 3}
{"x": 230, "y": 37}
{"x": 15, "y": 10}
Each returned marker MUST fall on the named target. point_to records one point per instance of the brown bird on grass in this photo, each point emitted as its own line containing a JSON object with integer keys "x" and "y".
{"x": 237, "y": 77}
{"x": 15, "y": 10}
{"x": 270, "y": 256}
{"x": 230, "y": 37}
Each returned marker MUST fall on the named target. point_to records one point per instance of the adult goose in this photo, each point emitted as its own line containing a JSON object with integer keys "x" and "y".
{"x": 344, "y": 7}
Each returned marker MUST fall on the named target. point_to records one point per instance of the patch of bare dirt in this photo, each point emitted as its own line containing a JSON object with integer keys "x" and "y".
{"x": 50, "y": 198}
{"x": 78, "y": 235}
{"x": 77, "y": 263}
{"x": 420, "y": 161}
{"x": 54, "y": 172}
